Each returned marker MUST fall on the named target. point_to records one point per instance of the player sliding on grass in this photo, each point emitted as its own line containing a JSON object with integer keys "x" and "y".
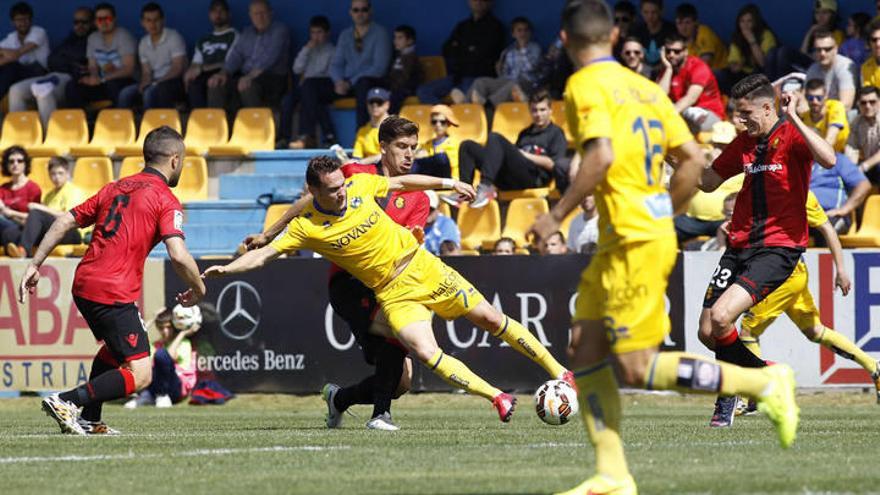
{"x": 346, "y": 225}
{"x": 624, "y": 125}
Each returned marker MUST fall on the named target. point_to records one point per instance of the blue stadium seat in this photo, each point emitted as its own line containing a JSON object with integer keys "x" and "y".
{"x": 217, "y": 227}
{"x": 345, "y": 123}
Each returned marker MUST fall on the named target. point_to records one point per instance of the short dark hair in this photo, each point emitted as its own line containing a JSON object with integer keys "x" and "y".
{"x": 752, "y": 87}
{"x": 626, "y": 7}
{"x": 318, "y": 166}
{"x": 106, "y": 6}
{"x": 658, "y": 3}
{"x": 587, "y": 22}
{"x": 15, "y": 150}
{"x": 320, "y": 22}
{"x": 163, "y": 318}
{"x": 866, "y": 90}
{"x": 21, "y": 8}
{"x": 873, "y": 26}
{"x": 503, "y": 239}
{"x": 557, "y": 233}
{"x": 406, "y": 30}
{"x": 686, "y": 11}
{"x": 675, "y": 37}
{"x": 395, "y": 126}
{"x": 152, "y": 7}
{"x": 814, "y": 84}
{"x": 539, "y": 95}
{"x": 823, "y": 33}
{"x": 219, "y": 3}
{"x": 520, "y": 20}
{"x": 158, "y": 142}
{"x": 58, "y": 161}
{"x": 630, "y": 39}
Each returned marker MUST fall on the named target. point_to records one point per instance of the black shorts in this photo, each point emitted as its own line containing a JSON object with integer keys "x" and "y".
{"x": 120, "y": 327}
{"x": 356, "y": 303}
{"x": 757, "y": 270}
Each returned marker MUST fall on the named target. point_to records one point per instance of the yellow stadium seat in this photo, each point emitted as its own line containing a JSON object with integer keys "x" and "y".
{"x": 153, "y": 118}
{"x": 443, "y": 209}
{"x": 421, "y": 115}
{"x": 40, "y": 173}
{"x": 522, "y": 251}
{"x": 206, "y": 127}
{"x": 469, "y": 252}
{"x": 433, "y": 68}
{"x": 868, "y": 234}
{"x": 22, "y": 129}
{"x": 253, "y": 130}
{"x": 66, "y": 128}
{"x": 92, "y": 173}
{"x": 193, "y": 185}
{"x": 345, "y": 103}
{"x": 511, "y": 117}
{"x": 557, "y": 109}
{"x": 273, "y": 213}
{"x": 131, "y": 165}
{"x": 114, "y": 128}
{"x": 479, "y": 224}
{"x": 521, "y": 214}
{"x": 535, "y": 192}
{"x": 471, "y": 122}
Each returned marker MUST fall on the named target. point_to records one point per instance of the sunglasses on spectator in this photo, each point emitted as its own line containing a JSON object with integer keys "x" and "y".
{"x": 375, "y": 102}
{"x": 824, "y": 49}
{"x": 439, "y": 122}
{"x": 815, "y": 97}
{"x": 84, "y": 22}
{"x": 16, "y": 160}
{"x": 868, "y": 102}
{"x": 103, "y": 19}
{"x": 632, "y": 52}
{"x": 674, "y": 51}
{"x": 360, "y": 10}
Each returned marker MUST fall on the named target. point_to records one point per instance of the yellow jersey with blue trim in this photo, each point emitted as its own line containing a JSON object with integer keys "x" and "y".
{"x": 606, "y": 100}
{"x": 816, "y": 216}
{"x": 362, "y": 239}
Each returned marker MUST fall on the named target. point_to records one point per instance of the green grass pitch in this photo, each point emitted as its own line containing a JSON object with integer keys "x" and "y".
{"x": 449, "y": 444}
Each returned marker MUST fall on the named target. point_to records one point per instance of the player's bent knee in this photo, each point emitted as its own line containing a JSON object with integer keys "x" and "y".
{"x": 720, "y": 319}
{"x": 142, "y": 371}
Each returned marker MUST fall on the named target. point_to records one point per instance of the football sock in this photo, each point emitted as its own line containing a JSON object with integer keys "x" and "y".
{"x": 519, "y": 338}
{"x": 114, "y": 384}
{"x": 752, "y": 345}
{"x": 389, "y": 368}
{"x": 102, "y": 363}
{"x": 691, "y": 373}
{"x": 457, "y": 374}
{"x": 731, "y": 349}
{"x": 359, "y": 393}
{"x": 844, "y": 347}
{"x": 599, "y": 401}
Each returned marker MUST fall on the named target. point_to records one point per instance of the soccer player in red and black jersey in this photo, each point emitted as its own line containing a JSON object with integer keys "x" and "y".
{"x": 768, "y": 231}
{"x": 130, "y": 216}
{"x": 356, "y": 303}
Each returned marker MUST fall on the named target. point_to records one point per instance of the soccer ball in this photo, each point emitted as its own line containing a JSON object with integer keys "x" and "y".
{"x": 184, "y": 319}
{"x": 556, "y": 402}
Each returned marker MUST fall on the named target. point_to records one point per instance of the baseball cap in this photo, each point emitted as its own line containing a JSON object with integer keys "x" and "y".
{"x": 433, "y": 199}
{"x": 826, "y": 5}
{"x": 792, "y": 84}
{"x": 378, "y": 94}
{"x": 445, "y": 111}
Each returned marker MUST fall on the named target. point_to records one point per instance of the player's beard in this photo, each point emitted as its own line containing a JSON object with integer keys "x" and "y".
{"x": 172, "y": 182}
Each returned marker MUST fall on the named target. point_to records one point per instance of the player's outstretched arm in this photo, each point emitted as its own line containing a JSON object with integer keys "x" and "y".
{"x": 56, "y": 232}
{"x": 689, "y": 166}
{"x": 822, "y": 152}
{"x": 250, "y": 260}
{"x": 256, "y": 241}
{"x": 842, "y": 278}
{"x": 416, "y": 182}
{"x": 185, "y": 267}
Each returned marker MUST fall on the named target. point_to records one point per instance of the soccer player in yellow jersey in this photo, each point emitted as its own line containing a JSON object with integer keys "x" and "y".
{"x": 624, "y": 126}
{"x": 344, "y": 223}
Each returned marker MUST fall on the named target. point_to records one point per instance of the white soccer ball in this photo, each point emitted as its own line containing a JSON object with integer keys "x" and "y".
{"x": 186, "y": 318}
{"x": 556, "y": 402}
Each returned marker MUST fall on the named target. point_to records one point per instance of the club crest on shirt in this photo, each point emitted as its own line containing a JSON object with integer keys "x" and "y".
{"x": 774, "y": 144}
{"x": 178, "y": 219}
{"x": 356, "y": 202}
{"x": 400, "y": 202}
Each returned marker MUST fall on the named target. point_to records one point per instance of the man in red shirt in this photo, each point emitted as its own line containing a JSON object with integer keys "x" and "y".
{"x": 130, "y": 216}
{"x": 690, "y": 84}
{"x": 356, "y": 304}
{"x": 768, "y": 231}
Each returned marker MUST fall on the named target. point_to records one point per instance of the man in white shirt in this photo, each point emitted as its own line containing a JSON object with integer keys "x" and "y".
{"x": 24, "y": 52}
{"x": 583, "y": 232}
{"x": 838, "y": 72}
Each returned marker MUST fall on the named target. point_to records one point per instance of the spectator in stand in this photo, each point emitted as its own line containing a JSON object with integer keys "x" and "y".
{"x": 840, "y": 190}
{"x": 837, "y": 71}
{"x": 653, "y": 30}
{"x": 24, "y": 52}
{"x": 751, "y": 41}
{"x": 438, "y": 156}
{"x": 256, "y": 66}
{"x": 825, "y": 18}
{"x": 20, "y": 240}
{"x": 863, "y": 146}
{"x": 439, "y": 228}
{"x": 871, "y": 67}
{"x": 701, "y": 39}
{"x": 470, "y": 52}
{"x": 826, "y": 116}
{"x": 504, "y": 247}
{"x": 162, "y": 53}
{"x": 552, "y": 71}
{"x": 632, "y": 54}
{"x": 366, "y": 142}
{"x": 110, "y": 52}
{"x": 539, "y": 152}
{"x": 363, "y": 54}
{"x": 405, "y": 73}
{"x": 313, "y": 91}
{"x": 690, "y": 84}
{"x": 719, "y": 241}
{"x": 624, "y": 19}
{"x": 67, "y": 62}
{"x": 855, "y": 47}
{"x": 210, "y": 54}
{"x": 450, "y": 248}
{"x": 515, "y": 68}
{"x": 555, "y": 244}
{"x": 583, "y": 231}
{"x": 19, "y": 192}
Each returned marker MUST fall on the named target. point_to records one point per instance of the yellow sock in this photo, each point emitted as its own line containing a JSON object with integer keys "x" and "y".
{"x": 696, "y": 374}
{"x": 518, "y": 337}
{"x": 751, "y": 344}
{"x": 599, "y": 401}
{"x": 842, "y": 346}
{"x": 455, "y": 373}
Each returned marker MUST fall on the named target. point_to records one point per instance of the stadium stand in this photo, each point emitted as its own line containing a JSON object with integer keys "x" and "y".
{"x": 131, "y": 165}
{"x": 153, "y": 118}
{"x": 40, "y": 173}
{"x": 868, "y": 233}
{"x": 479, "y": 227}
{"x": 66, "y": 128}
{"x": 253, "y": 130}
{"x": 205, "y": 127}
{"x": 21, "y": 128}
{"x": 511, "y": 117}
{"x": 421, "y": 115}
{"x": 92, "y": 173}
{"x": 193, "y": 185}
{"x": 472, "y": 122}
{"x": 113, "y": 128}
{"x": 521, "y": 214}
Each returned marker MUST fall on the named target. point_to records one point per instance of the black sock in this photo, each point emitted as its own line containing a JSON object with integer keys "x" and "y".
{"x": 108, "y": 386}
{"x": 361, "y": 393}
{"x": 737, "y": 353}
{"x": 389, "y": 367}
{"x": 92, "y": 412}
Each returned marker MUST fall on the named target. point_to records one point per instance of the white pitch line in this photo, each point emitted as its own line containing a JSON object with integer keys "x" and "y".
{"x": 187, "y": 453}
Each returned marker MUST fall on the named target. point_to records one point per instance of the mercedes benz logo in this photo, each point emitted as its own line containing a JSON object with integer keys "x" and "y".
{"x": 239, "y": 307}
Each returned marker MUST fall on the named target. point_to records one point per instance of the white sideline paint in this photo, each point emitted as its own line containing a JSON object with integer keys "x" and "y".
{"x": 188, "y": 453}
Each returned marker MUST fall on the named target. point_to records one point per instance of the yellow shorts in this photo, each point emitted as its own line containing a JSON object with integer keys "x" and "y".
{"x": 792, "y": 297}
{"x": 426, "y": 284}
{"x": 626, "y": 289}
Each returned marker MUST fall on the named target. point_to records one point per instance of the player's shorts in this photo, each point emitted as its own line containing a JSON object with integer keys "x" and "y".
{"x": 625, "y": 288}
{"x": 426, "y": 284}
{"x": 120, "y": 327}
{"x": 356, "y": 303}
{"x": 792, "y": 298}
{"x": 757, "y": 270}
